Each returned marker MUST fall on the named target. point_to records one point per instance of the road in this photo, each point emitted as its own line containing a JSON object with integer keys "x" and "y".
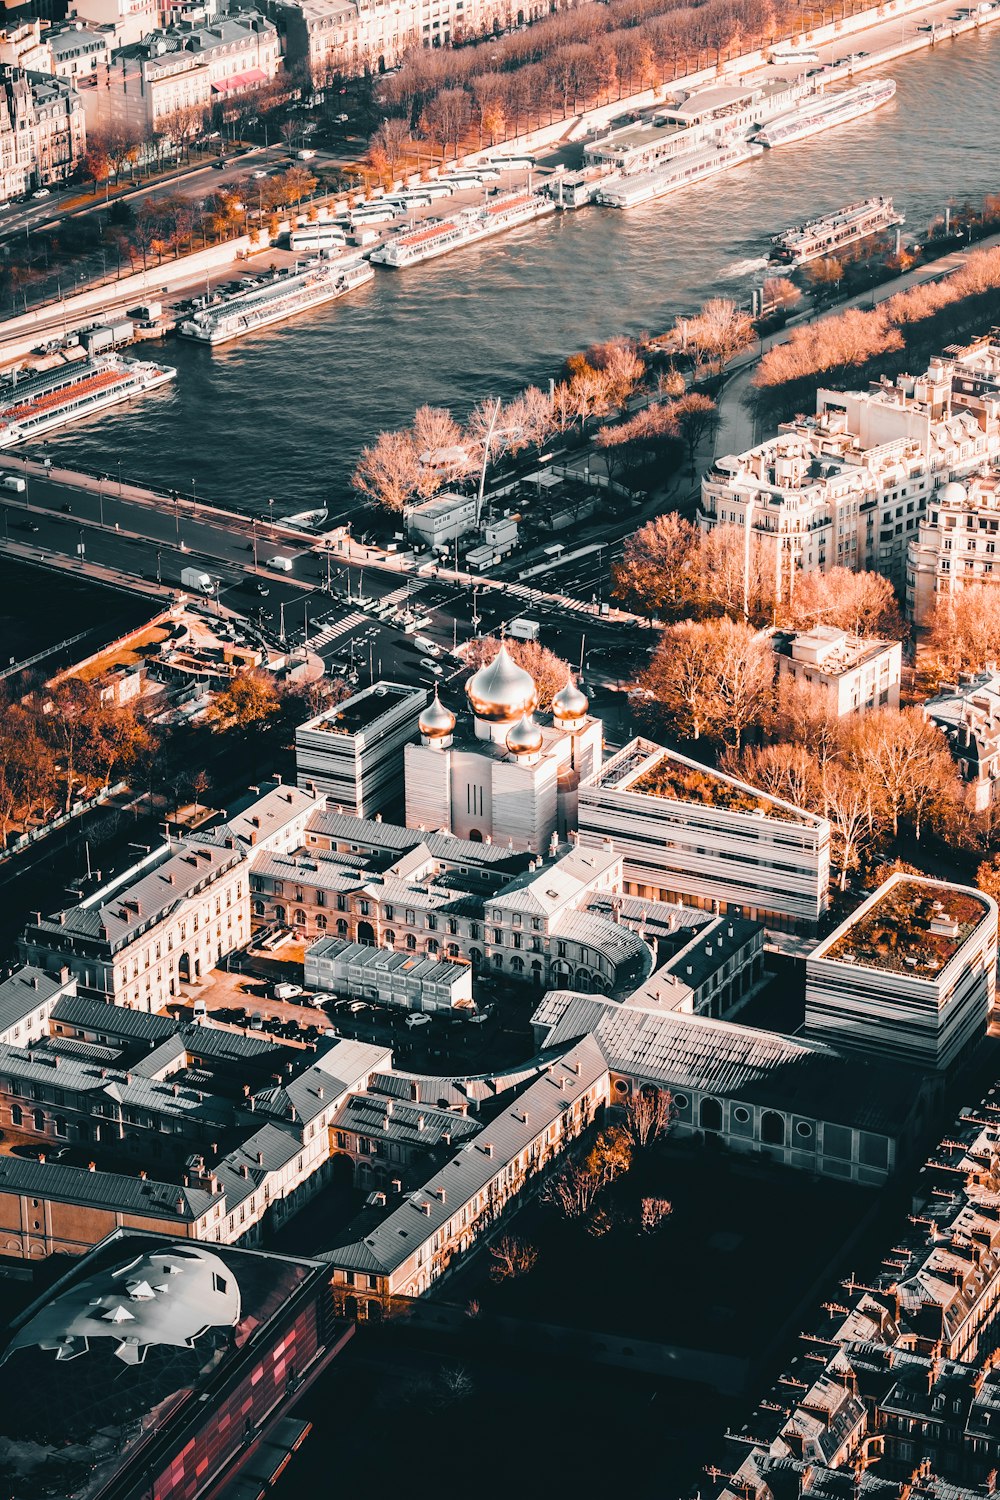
{"x": 328, "y": 600}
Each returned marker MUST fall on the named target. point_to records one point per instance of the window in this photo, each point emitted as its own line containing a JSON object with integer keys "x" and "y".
{"x": 710, "y": 1114}
{"x": 772, "y": 1128}
{"x": 741, "y": 1114}
{"x": 804, "y": 1129}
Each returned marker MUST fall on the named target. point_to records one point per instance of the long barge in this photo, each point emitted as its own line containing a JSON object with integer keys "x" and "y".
{"x": 827, "y": 112}
{"x": 682, "y": 171}
{"x": 39, "y": 403}
{"x": 833, "y": 232}
{"x": 279, "y": 297}
{"x": 414, "y": 246}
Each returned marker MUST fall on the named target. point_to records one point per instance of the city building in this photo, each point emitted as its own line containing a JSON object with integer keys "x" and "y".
{"x": 687, "y": 832}
{"x": 360, "y": 972}
{"x": 849, "y": 486}
{"x": 22, "y": 45}
{"x": 854, "y": 673}
{"x": 968, "y": 714}
{"x": 547, "y": 922}
{"x": 77, "y": 51}
{"x": 27, "y": 999}
{"x": 17, "y": 140}
{"x": 272, "y": 820}
{"x": 187, "y": 1355}
{"x": 794, "y": 1101}
{"x": 125, "y": 21}
{"x": 353, "y": 754}
{"x": 441, "y": 519}
{"x": 166, "y": 78}
{"x": 956, "y": 544}
{"x": 166, "y": 921}
{"x": 910, "y": 975}
{"x": 508, "y": 774}
{"x": 59, "y": 129}
{"x": 898, "y": 1393}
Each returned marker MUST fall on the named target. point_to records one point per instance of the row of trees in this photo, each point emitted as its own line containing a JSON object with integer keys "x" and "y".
{"x": 580, "y": 58}
{"x": 854, "y": 337}
{"x": 673, "y": 570}
{"x": 58, "y": 745}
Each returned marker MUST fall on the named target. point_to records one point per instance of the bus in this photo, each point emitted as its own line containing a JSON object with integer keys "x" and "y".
{"x": 317, "y": 237}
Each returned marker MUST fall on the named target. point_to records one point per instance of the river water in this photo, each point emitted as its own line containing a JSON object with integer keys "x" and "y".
{"x": 284, "y": 413}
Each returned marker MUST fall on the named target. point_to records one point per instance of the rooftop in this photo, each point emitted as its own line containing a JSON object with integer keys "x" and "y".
{"x": 363, "y": 710}
{"x": 830, "y": 651}
{"x": 25, "y": 991}
{"x": 910, "y": 925}
{"x": 649, "y": 770}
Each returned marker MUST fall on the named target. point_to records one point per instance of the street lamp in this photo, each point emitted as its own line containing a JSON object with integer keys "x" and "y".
{"x": 159, "y": 556}
{"x": 100, "y": 495}
{"x": 119, "y": 478}
{"x": 254, "y": 533}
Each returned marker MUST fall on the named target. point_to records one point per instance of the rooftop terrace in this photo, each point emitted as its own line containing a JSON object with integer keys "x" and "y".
{"x": 679, "y": 781}
{"x": 910, "y": 927}
{"x": 362, "y": 711}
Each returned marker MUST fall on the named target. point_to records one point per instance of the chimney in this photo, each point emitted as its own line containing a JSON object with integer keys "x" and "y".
{"x": 440, "y": 1193}
{"x": 142, "y": 1175}
{"x": 244, "y": 1169}
{"x": 487, "y": 1148}
{"x": 91, "y": 1166}
{"x": 420, "y": 1122}
{"x": 34, "y": 981}
{"x": 260, "y": 1158}
{"x": 41, "y": 1156}
{"x": 425, "y": 1208}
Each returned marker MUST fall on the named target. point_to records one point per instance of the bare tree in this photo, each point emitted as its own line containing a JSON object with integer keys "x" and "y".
{"x": 657, "y": 573}
{"x": 964, "y": 628}
{"x": 654, "y": 1213}
{"x": 905, "y": 761}
{"x": 649, "y": 1114}
{"x": 512, "y": 1257}
{"x": 862, "y": 603}
{"x": 719, "y": 332}
{"x": 389, "y": 470}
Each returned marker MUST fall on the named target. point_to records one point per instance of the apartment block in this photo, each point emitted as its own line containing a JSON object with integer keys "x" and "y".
{"x": 353, "y": 754}
{"x": 849, "y": 486}
{"x": 956, "y": 544}
{"x": 690, "y": 833}
{"x": 854, "y": 673}
{"x": 968, "y": 714}
{"x": 911, "y": 975}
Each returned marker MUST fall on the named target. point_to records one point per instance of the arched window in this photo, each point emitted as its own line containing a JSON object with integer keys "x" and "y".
{"x": 772, "y": 1128}
{"x": 498, "y": 960}
{"x": 341, "y": 927}
{"x": 710, "y": 1114}
{"x": 320, "y": 922}
{"x": 517, "y": 964}
{"x": 389, "y": 937}
{"x": 38, "y": 1116}
{"x": 16, "y": 1115}
{"x": 258, "y": 908}
{"x": 411, "y": 942}
{"x": 279, "y": 913}
{"x": 453, "y": 950}
{"x": 300, "y": 918}
{"x": 433, "y": 946}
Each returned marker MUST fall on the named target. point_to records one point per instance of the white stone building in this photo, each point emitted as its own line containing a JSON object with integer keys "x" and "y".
{"x": 910, "y": 976}
{"x": 508, "y": 776}
{"x": 854, "y": 673}
{"x": 849, "y": 486}
{"x": 690, "y": 833}
{"x": 956, "y": 544}
{"x": 968, "y": 714}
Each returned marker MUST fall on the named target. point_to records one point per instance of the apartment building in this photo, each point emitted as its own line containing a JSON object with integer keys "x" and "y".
{"x": 126, "y": 21}
{"x": 178, "y": 72}
{"x": 690, "y": 833}
{"x": 332, "y": 37}
{"x": 166, "y": 921}
{"x": 27, "y": 999}
{"x": 59, "y": 128}
{"x": 849, "y": 486}
{"x": 353, "y": 754}
{"x": 911, "y": 975}
{"x": 22, "y": 45}
{"x": 968, "y": 714}
{"x": 361, "y": 972}
{"x": 854, "y": 673}
{"x": 956, "y": 544}
{"x": 17, "y": 140}
{"x": 78, "y": 51}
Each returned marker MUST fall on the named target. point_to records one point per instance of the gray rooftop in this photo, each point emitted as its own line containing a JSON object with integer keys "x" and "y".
{"x": 112, "y": 1020}
{"x": 108, "y": 1190}
{"x": 25, "y": 991}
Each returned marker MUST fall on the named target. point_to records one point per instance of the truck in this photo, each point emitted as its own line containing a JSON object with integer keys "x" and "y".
{"x": 196, "y": 579}
{"x": 523, "y": 629}
{"x": 280, "y": 563}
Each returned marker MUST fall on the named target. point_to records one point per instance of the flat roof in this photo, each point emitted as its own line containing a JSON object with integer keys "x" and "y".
{"x": 363, "y": 710}
{"x": 910, "y": 925}
{"x": 650, "y": 770}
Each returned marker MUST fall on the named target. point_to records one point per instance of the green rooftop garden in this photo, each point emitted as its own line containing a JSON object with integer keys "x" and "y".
{"x": 679, "y": 783}
{"x": 914, "y": 929}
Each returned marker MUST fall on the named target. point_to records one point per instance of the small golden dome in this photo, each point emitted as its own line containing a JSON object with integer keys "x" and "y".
{"x": 501, "y": 691}
{"x": 570, "y": 702}
{"x": 525, "y": 738}
{"x": 436, "y": 721}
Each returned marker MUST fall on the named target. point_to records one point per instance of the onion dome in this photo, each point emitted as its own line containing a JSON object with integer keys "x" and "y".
{"x": 436, "y": 722}
{"x": 569, "y": 702}
{"x": 525, "y": 738}
{"x": 501, "y": 691}
{"x": 953, "y": 494}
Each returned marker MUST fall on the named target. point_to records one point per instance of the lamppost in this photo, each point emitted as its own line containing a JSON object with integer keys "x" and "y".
{"x": 253, "y": 524}
{"x": 100, "y": 496}
{"x": 159, "y": 556}
{"x": 119, "y": 478}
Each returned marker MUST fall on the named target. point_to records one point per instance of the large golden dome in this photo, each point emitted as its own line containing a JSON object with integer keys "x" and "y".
{"x": 436, "y": 721}
{"x": 501, "y": 691}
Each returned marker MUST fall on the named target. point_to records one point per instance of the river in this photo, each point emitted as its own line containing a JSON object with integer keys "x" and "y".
{"x": 283, "y": 414}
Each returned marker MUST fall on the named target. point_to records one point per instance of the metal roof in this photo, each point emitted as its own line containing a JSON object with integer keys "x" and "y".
{"x": 110, "y": 1190}
{"x": 25, "y": 991}
{"x": 112, "y": 1020}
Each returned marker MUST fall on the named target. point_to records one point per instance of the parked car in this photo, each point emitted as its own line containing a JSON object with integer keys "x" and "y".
{"x": 218, "y": 166}
{"x": 286, "y": 991}
{"x": 41, "y": 193}
{"x": 418, "y": 1020}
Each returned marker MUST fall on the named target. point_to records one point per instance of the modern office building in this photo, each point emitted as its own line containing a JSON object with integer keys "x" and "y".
{"x": 163, "y": 1365}
{"x": 503, "y": 773}
{"x": 911, "y": 975}
{"x": 361, "y": 972}
{"x": 690, "y": 833}
{"x": 854, "y": 673}
{"x": 353, "y": 754}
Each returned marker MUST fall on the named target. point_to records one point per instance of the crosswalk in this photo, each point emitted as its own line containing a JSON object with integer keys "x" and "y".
{"x": 334, "y": 631}
{"x": 550, "y": 601}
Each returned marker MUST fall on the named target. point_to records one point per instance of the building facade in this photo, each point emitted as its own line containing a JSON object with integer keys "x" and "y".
{"x": 910, "y": 976}
{"x": 689, "y": 833}
{"x": 353, "y": 754}
{"x": 166, "y": 921}
{"x": 956, "y": 545}
{"x": 854, "y": 674}
{"x": 968, "y": 714}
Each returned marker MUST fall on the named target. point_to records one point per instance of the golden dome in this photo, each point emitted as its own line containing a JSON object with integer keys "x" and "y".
{"x": 570, "y": 702}
{"x": 525, "y": 738}
{"x": 501, "y": 691}
{"x": 436, "y": 721}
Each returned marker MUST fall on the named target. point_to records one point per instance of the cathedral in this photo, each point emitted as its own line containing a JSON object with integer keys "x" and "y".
{"x": 501, "y": 772}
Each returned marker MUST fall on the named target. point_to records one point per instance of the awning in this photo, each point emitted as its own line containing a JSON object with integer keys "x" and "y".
{"x": 240, "y": 81}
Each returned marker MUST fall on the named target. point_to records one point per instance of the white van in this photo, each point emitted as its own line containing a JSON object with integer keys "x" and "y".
{"x": 14, "y": 482}
{"x": 280, "y": 564}
{"x": 428, "y": 647}
{"x": 199, "y": 1010}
